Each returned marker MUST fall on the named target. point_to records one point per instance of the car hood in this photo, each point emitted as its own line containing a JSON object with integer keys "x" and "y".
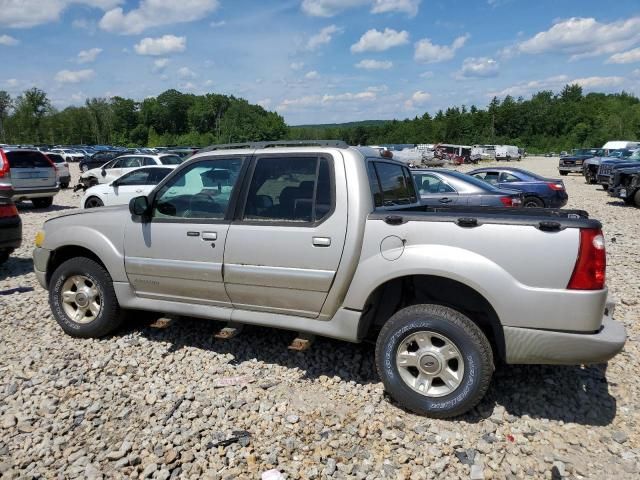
{"x": 576, "y": 157}
{"x": 94, "y": 172}
{"x": 89, "y": 216}
{"x": 619, "y": 161}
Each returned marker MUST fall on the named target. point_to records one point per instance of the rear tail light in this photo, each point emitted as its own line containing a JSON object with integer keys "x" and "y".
{"x": 4, "y": 165}
{"x": 510, "y": 201}
{"x": 555, "y": 186}
{"x": 591, "y": 265}
{"x": 8, "y": 211}
{"x": 55, "y": 167}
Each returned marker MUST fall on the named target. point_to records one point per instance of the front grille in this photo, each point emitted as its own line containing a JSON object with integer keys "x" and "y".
{"x": 605, "y": 169}
{"x": 567, "y": 162}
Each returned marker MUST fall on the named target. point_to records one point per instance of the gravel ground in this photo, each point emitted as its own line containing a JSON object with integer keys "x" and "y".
{"x": 155, "y": 402}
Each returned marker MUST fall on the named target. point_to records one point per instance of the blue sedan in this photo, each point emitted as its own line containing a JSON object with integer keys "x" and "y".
{"x": 538, "y": 191}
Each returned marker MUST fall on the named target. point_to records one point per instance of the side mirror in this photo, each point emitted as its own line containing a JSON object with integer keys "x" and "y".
{"x": 104, "y": 172}
{"x": 139, "y": 206}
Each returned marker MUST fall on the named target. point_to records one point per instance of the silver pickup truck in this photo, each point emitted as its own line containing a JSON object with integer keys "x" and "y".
{"x": 326, "y": 239}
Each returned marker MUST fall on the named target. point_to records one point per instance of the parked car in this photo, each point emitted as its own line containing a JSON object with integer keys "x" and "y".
{"x": 62, "y": 169}
{"x": 573, "y": 163}
{"x": 625, "y": 184}
{"x": 508, "y": 153}
{"x": 28, "y": 175}
{"x": 125, "y": 163}
{"x": 69, "y": 154}
{"x": 139, "y": 181}
{"x": 98, "y": 159}
{"x": 591, "y": 165}
{"x": 10, "y": 228}
{"x": 331, "y": 240}
{"x": 607, "y": 166}
{"x": 538, "y": 191}
{"x": 438, "y": 187}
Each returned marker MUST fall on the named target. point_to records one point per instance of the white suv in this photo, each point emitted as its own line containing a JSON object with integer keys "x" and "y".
{"x": 124, "y": 164}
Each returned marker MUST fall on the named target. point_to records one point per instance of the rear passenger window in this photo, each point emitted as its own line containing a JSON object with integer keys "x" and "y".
{"x": 19, "y": 159}
{"x": 396, "y": 185}
{"x": 290, "y": 189}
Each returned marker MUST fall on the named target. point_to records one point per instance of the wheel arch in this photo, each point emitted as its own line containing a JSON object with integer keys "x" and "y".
{"x": 67, "y": 252}
{"x": 394, "y": 294}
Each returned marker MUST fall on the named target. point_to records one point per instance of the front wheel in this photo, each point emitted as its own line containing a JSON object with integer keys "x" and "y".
{"x": 93, "y": 202}
{"x": 564, "y": 174}
{"x": 434, "y": 360}
{"x": 82, "y": 299}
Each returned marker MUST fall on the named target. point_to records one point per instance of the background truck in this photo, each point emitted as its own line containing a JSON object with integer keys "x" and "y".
{"x": 326, "y": 239}
{"x": 508, "y": 153}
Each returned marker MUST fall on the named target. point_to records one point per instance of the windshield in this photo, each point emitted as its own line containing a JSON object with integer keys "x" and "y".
{"x": 469, "y": 179}
{"x": 635, "y": 155}
{"x": 170, "y": 160}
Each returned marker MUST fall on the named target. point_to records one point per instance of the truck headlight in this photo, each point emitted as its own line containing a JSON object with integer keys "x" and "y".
{"x": 39, "y": 238}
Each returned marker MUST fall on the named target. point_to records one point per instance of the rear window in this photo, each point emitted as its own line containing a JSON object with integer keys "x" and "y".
{"x": 394, "y": 184}
{"x": 170, "y": 160}
{"x": 18, "y": 159}
{"x": 55, "y": 158}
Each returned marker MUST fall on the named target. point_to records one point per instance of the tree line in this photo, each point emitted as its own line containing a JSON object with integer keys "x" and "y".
{"x": 546, "y": 121}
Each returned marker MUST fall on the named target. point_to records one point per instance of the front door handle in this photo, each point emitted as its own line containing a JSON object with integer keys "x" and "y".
{"x": 321, "y": 241}
{"x": 445, "y": 200}
{"x": 209, "y": 236}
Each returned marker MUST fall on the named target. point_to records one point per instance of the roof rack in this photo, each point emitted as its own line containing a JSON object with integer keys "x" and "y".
{"x": 278, "y": 143}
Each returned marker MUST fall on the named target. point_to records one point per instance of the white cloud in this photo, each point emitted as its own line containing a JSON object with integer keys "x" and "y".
{"x": 160, "y": 64}
{"x": 154, "y": 13}
{"x": 297, "y": 66}
{"x": 88, "y": 56}
{"x": 308, "y": 101}
{"x": 428, "y": 52}
{"x": 208, "y": 83}
{"x": 418, "y": 99}
{"x": 312, "y": 75}
{"x": 378, "y": 89}
{"x": 28, "y": 13}
{"x": 8, "y": 41}
{"x": 218, "y": 24}
{"x": 161, "y": 46}
{"x": 74, "y": 76}
{"x": 375, "y": 41}
{"x": 330, "y": 8}
{"x": 427, "y": 74}
{"x": 264, "y": 103}
{"x": 189, "y": 86}
{"x": 374, "y": 64}
{"x": 410, "y": 7}
{"x": 186, "y": 72}
{"x": 82, "y": 24}
{"x": 630, "y": 56}
{"x": 323, "y": 37}
{"x": 583, "y": 37}
{"x": 556, "y": 83}
{"x": 478, "y": 67}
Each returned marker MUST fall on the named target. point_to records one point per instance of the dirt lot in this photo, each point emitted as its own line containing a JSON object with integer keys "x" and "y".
{"x": 145, "y": 402}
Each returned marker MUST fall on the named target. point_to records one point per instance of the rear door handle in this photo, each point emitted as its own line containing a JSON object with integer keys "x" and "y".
{"x": 321, "y": 241}
{"x": 209, "y": 236}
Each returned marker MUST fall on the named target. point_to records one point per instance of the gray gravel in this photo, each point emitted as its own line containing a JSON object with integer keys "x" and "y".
{"x": 149, "y": 402}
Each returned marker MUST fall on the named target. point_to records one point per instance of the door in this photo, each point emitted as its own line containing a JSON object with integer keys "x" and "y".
{"x": 177, "y": 255}
{"x": 284, "y": 249}
{"x": 435, "y": 192}
{"x": 121, "y": 166}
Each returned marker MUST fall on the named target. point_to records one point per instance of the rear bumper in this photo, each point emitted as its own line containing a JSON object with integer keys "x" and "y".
{"x": 10, "y": 233}
{"x": 25, "y": 194}
{"x": 64, "y": 178}
{"x": 531, "y": 346}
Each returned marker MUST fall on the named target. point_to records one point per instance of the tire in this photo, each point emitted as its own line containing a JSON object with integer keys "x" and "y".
{"x": 64, "y": 185}
{"x": 636, "y": 198}
{"x": 508, "y": 159}
{"x": 564, "y": 174}
{"x": 591, "y": 178}
{"x": 533, "y": 202}
{"x": 95, "y": 279}
{"x": 45, "y": 202}
{"x": 93, "y": 202}
{"x": 4, "y": 256}
{"x": 475, "y": 366}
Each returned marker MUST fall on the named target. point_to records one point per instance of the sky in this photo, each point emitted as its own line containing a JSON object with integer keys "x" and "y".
{"x": 320, "y": 61}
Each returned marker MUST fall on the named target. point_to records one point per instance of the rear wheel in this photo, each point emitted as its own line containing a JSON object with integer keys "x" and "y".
{"x": 82, "y": 299}
{"x": 434, "y": 360}
{"x": 564, "y": 174}
{"x": 64, "y": 185}
{"x": 4, "y": 256}
{"x": 93, "y": 202}
{"x": 636, "y": 198}
{"x": 532, "y": 202}
{"x": 42, "y": 202}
